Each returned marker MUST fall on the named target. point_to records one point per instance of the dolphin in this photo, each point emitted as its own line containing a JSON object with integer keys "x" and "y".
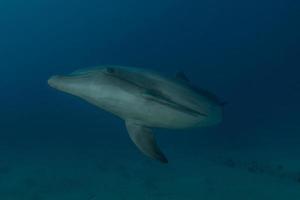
{"x": 144, "y": 100}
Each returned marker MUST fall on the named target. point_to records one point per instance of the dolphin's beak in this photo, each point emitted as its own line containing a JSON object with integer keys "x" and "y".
{"x": 53, "y": 81}
{"x": 63, "y": 83}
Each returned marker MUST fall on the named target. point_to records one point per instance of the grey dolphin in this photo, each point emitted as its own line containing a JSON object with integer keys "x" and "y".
{"x": 143, "y": 99}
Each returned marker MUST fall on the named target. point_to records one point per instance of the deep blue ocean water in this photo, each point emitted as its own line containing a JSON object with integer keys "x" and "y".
{"x": 55, "y": 146}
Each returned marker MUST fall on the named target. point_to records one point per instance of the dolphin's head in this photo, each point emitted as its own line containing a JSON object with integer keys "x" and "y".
{"x": 81, "y": 82}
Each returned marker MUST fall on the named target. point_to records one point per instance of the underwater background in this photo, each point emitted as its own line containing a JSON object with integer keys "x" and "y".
{"x": 55, "y": 146}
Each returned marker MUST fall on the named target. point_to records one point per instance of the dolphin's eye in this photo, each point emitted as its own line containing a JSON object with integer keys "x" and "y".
{"x": 110, "y": 70}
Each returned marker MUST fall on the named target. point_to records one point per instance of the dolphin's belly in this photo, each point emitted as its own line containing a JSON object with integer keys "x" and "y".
{"x": 148, "y": 112}
{"x": 167, "y": 113}
{"x": 162, "y": 116}
{"x": 154, "y": 113}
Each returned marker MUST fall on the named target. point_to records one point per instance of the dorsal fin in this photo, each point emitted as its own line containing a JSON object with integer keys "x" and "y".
{"x": 182, "y": 77}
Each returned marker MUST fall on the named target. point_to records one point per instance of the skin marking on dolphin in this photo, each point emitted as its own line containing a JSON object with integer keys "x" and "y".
{"x": 170, "y": 103}
{"x": 155, "y": 95}
{"x": 144, "y": 100}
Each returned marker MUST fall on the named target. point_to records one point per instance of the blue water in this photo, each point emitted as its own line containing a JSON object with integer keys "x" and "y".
{"x": 55, "y": 146}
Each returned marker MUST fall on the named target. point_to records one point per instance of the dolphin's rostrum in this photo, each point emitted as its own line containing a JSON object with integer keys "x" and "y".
{"x": 144, "y": 100}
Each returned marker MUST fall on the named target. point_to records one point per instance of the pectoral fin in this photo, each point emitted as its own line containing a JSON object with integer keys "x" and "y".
{"x": 144, "y": 139}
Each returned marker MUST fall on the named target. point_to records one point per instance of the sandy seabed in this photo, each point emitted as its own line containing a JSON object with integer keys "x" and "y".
{"x": 73, "y": 174}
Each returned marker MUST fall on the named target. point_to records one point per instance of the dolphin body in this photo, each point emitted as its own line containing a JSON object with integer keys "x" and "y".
{"x": 144, "y": 100}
